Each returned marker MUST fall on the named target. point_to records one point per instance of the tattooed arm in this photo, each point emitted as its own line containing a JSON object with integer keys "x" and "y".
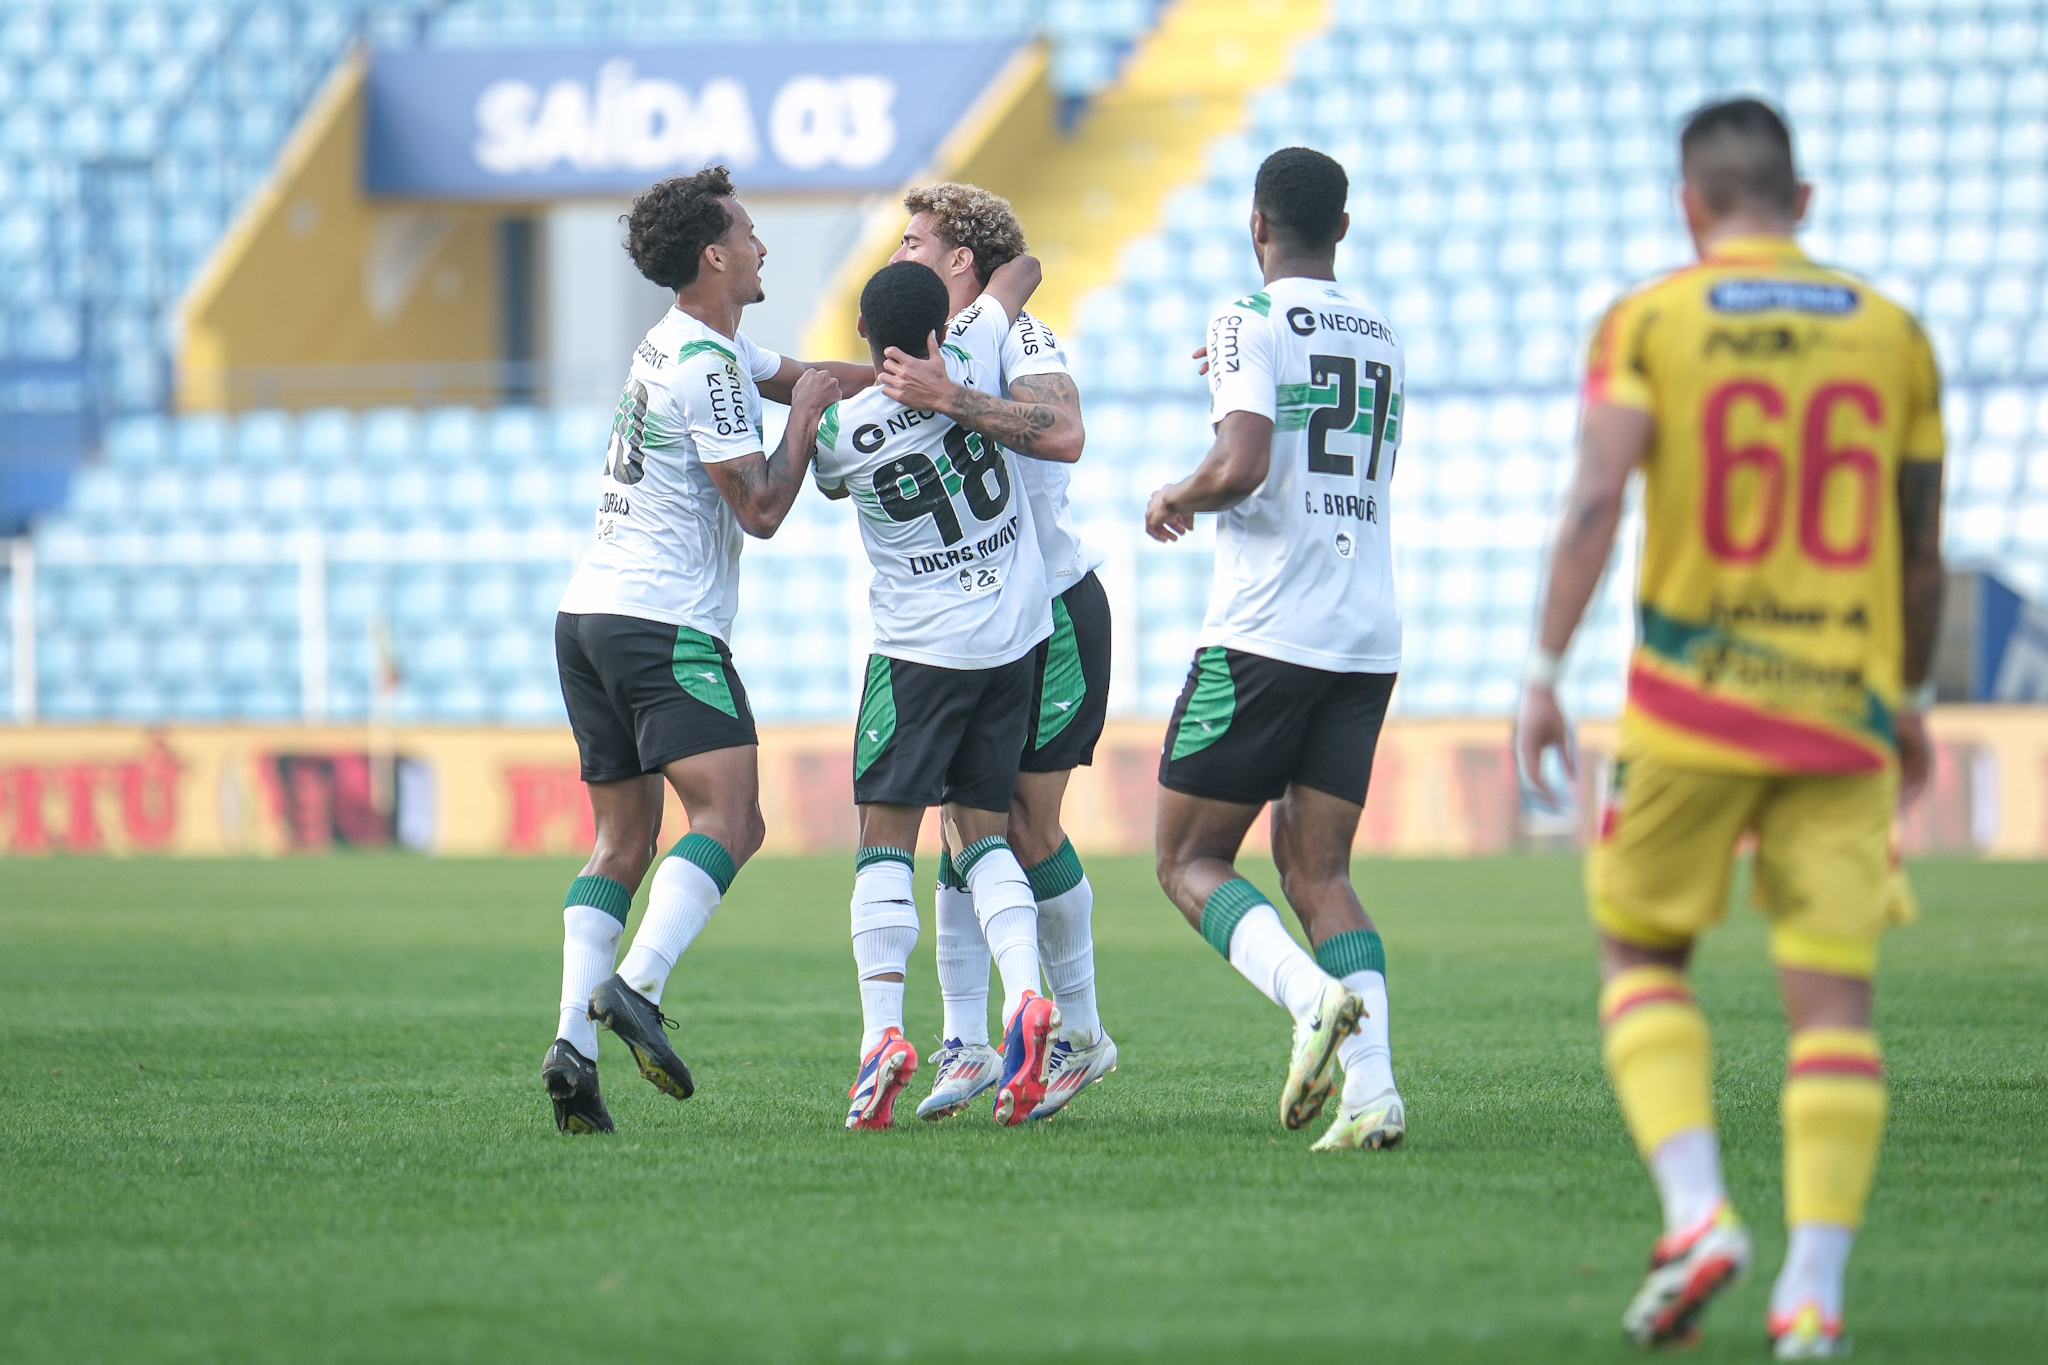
{"x": 1612, "y": 441}
{"x": 1041, "y": 418}
{"x": 761, "y": 489}
{"x": 1922, "y": 580}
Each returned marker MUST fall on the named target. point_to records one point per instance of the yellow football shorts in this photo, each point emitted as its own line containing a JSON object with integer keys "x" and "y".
{"x": 1826, "y": 873}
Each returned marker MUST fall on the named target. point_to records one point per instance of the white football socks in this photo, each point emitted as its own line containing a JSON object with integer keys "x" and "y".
{"x": 884, "y": 931}
{"x": 1267, "y": 956}
{"x": 1687, "y": 1169}
{"x": 963, "y": 963}
{"x": 1008, "y": 913}
{"x": 1366, "y": 1056}
{"x": 1066, "y": 943}
{"x": 1816, "y": 1260}
{"x": 679, "y": 905}
{"x": 590, "y": 944}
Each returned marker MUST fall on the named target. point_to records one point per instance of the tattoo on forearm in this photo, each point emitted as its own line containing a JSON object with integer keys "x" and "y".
{"x": 1020, "y": 425}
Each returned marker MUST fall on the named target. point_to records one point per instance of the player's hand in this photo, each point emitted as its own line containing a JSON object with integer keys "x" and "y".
{"x": 1541, "y": 725}
{"x": 815, "y": 391}
{"x": 1163, "y": 523}
{"x": 920, "y": 384}
{"x": 1916, "y": 755}
{"x": 1201, "y": 353}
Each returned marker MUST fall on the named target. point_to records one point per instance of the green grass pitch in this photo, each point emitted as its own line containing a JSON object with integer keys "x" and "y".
{"x": 289, "y": 1111}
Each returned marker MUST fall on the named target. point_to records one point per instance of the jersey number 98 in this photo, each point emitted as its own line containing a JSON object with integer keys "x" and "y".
{"x": 1819, "y": 462}
{"x": 912, "y": 486}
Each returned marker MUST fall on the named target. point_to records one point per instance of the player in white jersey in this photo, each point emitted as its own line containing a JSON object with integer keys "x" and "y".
{"x": 960, "y": 605}
{"x": 1298, "y": 652}
{"x": 641, "y": 636}
{"x": 965, "y": 233}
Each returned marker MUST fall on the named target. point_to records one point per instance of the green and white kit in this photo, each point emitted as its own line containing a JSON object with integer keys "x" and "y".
{"x": 1030, "y": 348}
{"x": 959, "y": 580}
{"x": 668, "y": 547}
{"x": 1304, "y": 566}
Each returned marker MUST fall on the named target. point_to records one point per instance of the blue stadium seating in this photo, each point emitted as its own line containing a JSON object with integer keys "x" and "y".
{"x": 132, "y": 130}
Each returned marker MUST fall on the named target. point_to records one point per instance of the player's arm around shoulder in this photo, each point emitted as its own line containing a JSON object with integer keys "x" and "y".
{"x": 760, "y": 488}
{"x": 780, "y": 387}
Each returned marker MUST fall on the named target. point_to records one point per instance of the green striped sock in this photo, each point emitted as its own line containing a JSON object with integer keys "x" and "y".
{"x": 1057, "y": 875}
{"x": 1354, "y": 950}
{"x": 882, "y": 853}
{"x": 600, "y": 893}
{"x": 978, "y": 850}
{"x": 949, "y": 875}
{"x": 707, "y": 853}
{"x": 1226, "y": 905}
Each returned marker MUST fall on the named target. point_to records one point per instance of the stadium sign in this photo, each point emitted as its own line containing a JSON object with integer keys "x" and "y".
{"x": 532, "y": 123}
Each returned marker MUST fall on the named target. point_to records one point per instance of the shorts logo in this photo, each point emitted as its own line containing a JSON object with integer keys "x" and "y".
{"x": 1302, "y": 321}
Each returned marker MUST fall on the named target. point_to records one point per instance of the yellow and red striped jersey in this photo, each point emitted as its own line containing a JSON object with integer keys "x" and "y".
{"x": 1785, "y": 396}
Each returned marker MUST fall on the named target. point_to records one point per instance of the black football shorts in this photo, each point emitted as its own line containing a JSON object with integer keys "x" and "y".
{"x": 642, "y": 694}
{"x": 1070, "y": 686}
{"x": 1246, "y": 726}
{"x": 928, "y": 735}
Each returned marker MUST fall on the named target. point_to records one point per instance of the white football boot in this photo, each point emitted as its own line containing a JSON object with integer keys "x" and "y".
{"x": 1379, "y": 1122}
{"x": 965, "y": 1070}
{"x": 1071, "y": 1069}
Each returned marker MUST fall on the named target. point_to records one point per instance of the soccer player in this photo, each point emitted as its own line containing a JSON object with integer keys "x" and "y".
{"x": 960, "y": 604}
{"x": 1300, "y": 646}
{"x": 641, "y": 636}
{"x": 965, "y": 233}
{"x": 1786, "y": 419}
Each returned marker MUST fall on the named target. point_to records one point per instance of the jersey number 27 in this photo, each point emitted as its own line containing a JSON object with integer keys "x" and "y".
{"x": 1343, "y": 415}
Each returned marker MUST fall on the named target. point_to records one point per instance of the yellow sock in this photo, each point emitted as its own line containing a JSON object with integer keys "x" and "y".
{"x": 1658, "y": 1054}
{"x": 1834, "y": 1107}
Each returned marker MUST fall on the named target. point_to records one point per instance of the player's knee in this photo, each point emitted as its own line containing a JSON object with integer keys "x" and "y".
{"x": 623, "y": 862}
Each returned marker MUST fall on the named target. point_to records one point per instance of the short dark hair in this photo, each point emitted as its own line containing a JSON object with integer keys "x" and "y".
{"x": 903, "y": 305}
{"x": 1302, "y": 193}
{"x": 1738, "y": 154}
{"x": 671, "y": 224}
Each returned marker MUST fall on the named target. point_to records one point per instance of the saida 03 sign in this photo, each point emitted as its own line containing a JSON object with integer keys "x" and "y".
{"x": 532, "y": 123}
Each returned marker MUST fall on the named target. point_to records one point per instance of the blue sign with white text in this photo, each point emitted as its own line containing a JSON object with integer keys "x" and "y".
{"x": 535, "y": 123}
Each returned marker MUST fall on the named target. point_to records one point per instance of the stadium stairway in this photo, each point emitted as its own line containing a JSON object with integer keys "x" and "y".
{"x": 1084, "y": 196}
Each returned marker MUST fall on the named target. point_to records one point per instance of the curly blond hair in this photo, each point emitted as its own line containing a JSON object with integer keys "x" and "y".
{"x": 970, "y": 216}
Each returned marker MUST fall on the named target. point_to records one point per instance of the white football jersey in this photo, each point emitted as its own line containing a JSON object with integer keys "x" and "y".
{"x": 1304, "y": 566}
{"x": 668, "y": 546}
{"x": 959, "y": 582}
{"x": 1029, "y": 348}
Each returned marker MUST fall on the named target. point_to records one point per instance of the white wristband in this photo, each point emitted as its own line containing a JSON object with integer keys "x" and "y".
{"x": 1542, "y": 668}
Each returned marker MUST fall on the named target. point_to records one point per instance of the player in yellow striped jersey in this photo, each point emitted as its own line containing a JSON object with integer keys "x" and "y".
{"x": 1786, "y": 418}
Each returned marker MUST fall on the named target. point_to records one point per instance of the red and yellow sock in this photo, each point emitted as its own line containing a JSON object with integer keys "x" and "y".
{"x": 1834, "y": 1110}
{"x": 1658, "y": 1053}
